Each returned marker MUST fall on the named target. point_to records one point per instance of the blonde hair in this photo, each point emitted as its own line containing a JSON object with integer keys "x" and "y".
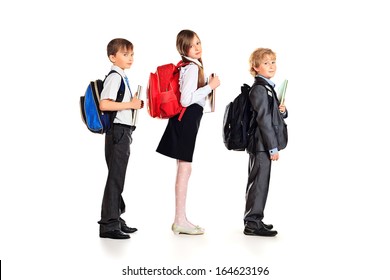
{"x": 257, "y": 57}
{"x": 183, "y": 44}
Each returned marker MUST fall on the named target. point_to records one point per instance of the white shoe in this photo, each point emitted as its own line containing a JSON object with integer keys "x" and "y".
{"x": 197, "y": 230}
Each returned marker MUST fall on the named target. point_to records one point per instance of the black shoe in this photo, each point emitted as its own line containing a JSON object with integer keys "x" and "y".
{"x": 254, "y": 225}
{"x": 114, "y": 234}
{"x": 127, "y": 229}
{"x": 269, "y": 226}
{"x": 260, "y": 232}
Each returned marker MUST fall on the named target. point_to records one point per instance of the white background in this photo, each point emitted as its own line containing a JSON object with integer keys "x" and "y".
{"x": 328, "y": 196}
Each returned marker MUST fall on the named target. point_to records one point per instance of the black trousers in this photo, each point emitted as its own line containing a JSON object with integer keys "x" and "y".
{"x": 117, "y": 151}
{"x": 259, "y": 172}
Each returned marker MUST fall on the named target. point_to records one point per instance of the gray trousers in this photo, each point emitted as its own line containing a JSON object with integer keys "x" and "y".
{"x": 117, "y": 152}
{"x": 259, "y": 172}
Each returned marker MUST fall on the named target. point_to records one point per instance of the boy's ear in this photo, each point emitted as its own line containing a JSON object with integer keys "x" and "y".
{"x": 112, "y": 58}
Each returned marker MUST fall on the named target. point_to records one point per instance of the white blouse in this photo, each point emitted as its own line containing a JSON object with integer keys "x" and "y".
{"x": 188, "y": 82}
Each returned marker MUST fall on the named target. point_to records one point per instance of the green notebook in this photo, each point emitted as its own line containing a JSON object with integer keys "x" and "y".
{"x": 282, "y": 91}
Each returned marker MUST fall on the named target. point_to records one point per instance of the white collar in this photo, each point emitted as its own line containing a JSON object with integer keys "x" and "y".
{"x": 193, "y": 60}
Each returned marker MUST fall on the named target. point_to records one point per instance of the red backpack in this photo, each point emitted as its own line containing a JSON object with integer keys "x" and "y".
{"x": 163, "y": 92}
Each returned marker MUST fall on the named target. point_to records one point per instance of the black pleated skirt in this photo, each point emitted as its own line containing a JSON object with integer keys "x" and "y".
{"x": 178, "y": 140}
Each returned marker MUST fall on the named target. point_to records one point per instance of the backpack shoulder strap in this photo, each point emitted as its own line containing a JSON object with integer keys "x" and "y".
{"x": 119, "y": 96}
{"x": 260, "y": 81}
{"x": 121, "y": 91}
{"x": 181, "y": 63}
{"x": 267, "y": 86}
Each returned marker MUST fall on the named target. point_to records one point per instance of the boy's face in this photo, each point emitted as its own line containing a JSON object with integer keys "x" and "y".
{"x": 267, "y": 67}
{"x": 123, "y": 58}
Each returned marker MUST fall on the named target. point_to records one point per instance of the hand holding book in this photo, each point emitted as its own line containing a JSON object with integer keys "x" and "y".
{"x": 135, "y": 111}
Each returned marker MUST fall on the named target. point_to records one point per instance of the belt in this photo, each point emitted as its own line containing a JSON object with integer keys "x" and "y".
{"x": 132, "y": 127}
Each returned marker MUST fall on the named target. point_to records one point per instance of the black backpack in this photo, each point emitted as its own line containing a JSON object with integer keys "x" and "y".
{"x": 236, "y": 121}
{"x": 238, "y": 125}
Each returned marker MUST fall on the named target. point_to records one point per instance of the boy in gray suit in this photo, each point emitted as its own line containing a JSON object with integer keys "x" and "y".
{"x": 265, "y": 143}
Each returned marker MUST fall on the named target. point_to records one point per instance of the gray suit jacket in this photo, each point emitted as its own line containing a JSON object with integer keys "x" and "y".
{"x": 267, "y": 133}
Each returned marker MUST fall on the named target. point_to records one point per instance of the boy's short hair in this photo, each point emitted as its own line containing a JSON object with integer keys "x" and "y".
{"x": 117, "y": 44}
{"x": 257, "y": 57}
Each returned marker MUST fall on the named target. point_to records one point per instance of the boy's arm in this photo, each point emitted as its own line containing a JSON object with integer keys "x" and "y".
{"x": 111, "y": 105}
{"x": 109, "y": 94}
{"x": 259, "y": 99}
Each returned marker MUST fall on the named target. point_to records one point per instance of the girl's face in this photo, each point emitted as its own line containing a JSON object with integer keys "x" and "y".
{"x": 267, "y": 67}
{"x": 123, "y": 58}
{"x": 195, "y": 51}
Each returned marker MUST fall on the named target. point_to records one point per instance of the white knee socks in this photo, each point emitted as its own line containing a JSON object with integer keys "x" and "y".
{"x": 183, "y": 175}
